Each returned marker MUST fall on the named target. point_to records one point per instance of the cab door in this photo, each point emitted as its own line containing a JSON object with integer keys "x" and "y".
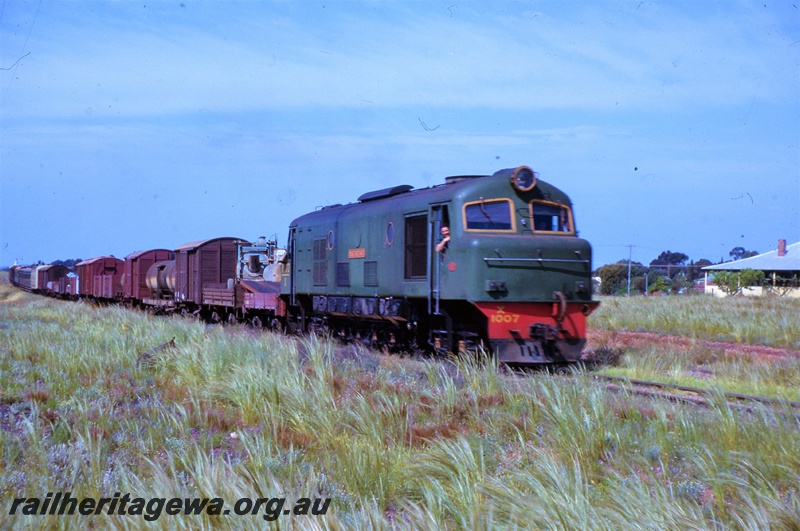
{"x": 438, "y": 217}
{"x": 289, "y": 274}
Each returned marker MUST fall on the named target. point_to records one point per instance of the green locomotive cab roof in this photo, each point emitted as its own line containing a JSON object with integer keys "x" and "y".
{"x": 509, "y": 201}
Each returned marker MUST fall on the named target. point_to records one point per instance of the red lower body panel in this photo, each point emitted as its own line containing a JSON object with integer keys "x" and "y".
{"x": 537, "y": 332}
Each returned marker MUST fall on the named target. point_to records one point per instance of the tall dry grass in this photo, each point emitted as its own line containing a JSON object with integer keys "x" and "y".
{"x": 770, "y": 321}
{"x": 395, "y": 442}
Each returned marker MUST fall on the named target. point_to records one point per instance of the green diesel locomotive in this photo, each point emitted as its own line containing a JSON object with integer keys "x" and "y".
{"x": 512, "y": 276}
{"x": 481, "y": 261}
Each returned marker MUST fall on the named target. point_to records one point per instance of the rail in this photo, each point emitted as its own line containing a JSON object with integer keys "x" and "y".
{"x": 734, "y": 399}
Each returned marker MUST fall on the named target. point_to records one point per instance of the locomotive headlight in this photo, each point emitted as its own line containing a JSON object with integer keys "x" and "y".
{"x": 523, "y": 179}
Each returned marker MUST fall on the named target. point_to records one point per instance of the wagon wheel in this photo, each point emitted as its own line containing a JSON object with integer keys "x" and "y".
{"x": 215, "y": 317}
{"x": 232, "y": 320}
{"x": 255, "y": 322}
{"x": 276, "y": 325}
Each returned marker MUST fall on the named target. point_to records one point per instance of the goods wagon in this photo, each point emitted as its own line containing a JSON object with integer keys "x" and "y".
{"x": 49, "y": 278}
{"x": 134, "y": 279}
{"x": 254, "y": 296}
{"x": 207, "y": 263}
{"x": 20, "y": 276}
{"x": 100, "y": 278}
{"x": 178, "y": 284}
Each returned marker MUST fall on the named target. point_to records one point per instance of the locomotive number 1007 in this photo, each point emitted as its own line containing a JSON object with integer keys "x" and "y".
{"x": 502, "y": 317}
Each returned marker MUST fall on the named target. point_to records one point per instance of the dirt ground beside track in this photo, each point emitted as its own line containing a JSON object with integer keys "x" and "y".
{"x": 624, "y": 339}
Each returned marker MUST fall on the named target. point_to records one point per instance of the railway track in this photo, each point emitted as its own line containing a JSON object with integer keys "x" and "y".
{"x": 695, "y": 395}
{"x": 661, "y": 390}
{"x": 675, "y": 392}
{"x": 632, "y": 339}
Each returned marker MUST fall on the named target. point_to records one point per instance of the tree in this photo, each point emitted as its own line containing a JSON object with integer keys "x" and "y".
{"x": 659, "y": 284}
{"x": 680, "y": 282}
{"x": 670, "y": 258}
{"x": 733, "y": 282}
{"x": 737, "y": 253}
{"x": 612, "y": 277}
{"x": 68, "y": 263}
{"x": 670, "y": 263}
{"x": 696, "y": 269}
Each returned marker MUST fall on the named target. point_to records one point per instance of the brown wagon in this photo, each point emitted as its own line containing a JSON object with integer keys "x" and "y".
{"x": 49, "y": 276}
{"x": 204, "y": 264}
{"x": 134, "y": 279}
{"x": 100, "y": 278}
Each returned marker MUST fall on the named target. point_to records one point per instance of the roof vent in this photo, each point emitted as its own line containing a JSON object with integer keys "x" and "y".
{"x": 458, "y": 178}
{"x": 386, "y": 192}
{"x": 781, "y": 247}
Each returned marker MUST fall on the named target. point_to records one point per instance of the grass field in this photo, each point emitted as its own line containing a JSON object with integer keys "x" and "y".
{"x": 770, "y": 321}
{"x": 88, "y": 406}
{"x": 712, "y": 357}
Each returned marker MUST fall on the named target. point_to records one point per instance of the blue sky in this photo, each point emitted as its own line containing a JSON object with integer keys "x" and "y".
{"x": 133, "y": 125}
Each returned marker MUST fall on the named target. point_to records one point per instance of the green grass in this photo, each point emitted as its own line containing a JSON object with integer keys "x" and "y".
{"x": 395, "y": 442}
{"x": 715, "y": 326}
{"x": 692, "y": 367}
{"x": 770, "y": 321}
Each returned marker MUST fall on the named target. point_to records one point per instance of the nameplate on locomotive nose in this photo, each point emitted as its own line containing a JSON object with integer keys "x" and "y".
{"x": 357, "y": 253}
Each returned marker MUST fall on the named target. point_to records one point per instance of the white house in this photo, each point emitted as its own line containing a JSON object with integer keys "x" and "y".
{"x": 781, "y": 270}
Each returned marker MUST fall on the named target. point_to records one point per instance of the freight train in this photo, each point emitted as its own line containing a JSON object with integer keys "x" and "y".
{"x": 511, "y": 276}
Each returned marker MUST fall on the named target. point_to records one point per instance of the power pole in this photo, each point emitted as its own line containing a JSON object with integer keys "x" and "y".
{"x": 630, "y": 255}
